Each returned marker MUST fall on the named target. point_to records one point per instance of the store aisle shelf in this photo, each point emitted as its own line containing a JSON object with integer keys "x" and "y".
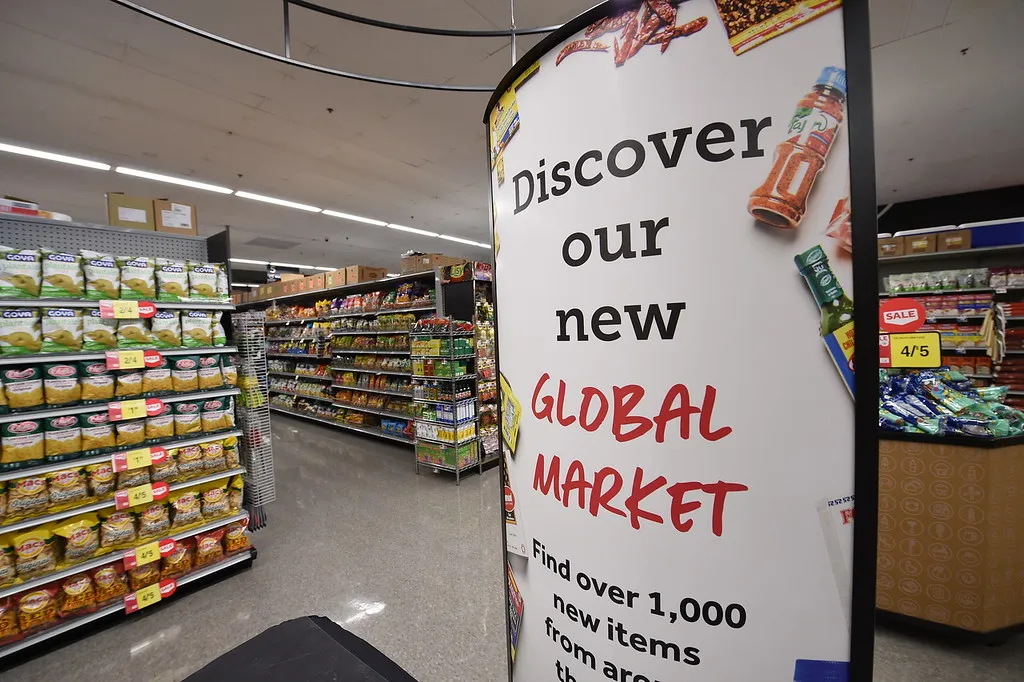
{"x": 371, "y": 371}
{"x": 297, "y": 321}
{"x": 325, "y": 399}
{"x": 444, "y": 402}
{"x": 101, "y": 407}
{"x": 398, "y": 394}
{"x": 80, "y": 303}
{"x": 420, "y": 309}
{"x": 471, "y": 356}
{"x": 85, "y": 356}
{"x": 298, "y": 356}
{"x": 375, "y": 332}
{"x": 368, "y": 351}
{"x": 935, "y": 255}
{"x": 452, "y": 444}
{"x": 373, "y": 410}
{"x": 341, "y": 425}
{"x": 467, "y": 420}
{"x": 313, "y": 377}
{"x": 455, "y": 378}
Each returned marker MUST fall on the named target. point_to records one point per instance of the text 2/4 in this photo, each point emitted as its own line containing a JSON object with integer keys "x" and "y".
{"x": 915, "y": 351}
{"x": 692, "y": 611}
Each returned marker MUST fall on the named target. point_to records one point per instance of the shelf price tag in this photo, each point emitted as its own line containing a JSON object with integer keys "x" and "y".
{"x": 126, "y": 310}
{"x": 136, "y": 459}
{"x": 920, "y": 350}
{"x": 133, "y": 359}
{"x": 141, "y": 494}
{"x": 147, "y": 596}
{"x": 134, "y": 409}
{"x": 148, "y": 553}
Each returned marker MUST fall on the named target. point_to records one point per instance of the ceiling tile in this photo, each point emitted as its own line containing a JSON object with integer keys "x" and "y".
{"x": 888, "y": 19}
{"x": 926, "y": 15}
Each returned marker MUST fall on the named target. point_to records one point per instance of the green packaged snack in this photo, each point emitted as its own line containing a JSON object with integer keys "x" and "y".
{"x": 98, "y": 333}
{"x": 171, "y": 280}
{"x": 138, "y": 278}
{"x": 22, "y": 443}
{"x": 228, "y": 369}
{"x": 196, "y": 329}
{"x": 62, "y": 437}
{"x": 97, "y": 381}
{"x": 202, "y": 281}
{"x": 19, "y": 331}
{"x": 20, "y": 273}
{"x": 62, "y": 275}
{"x": 102, "y": 276}
{"x": 223, "y": 288}
{"x": 220, "y": 337}
{"x": 165, "y": 329}
{"x": 60, "y": 384}
{"x": 185, "y": 373}
{"x": 133, "y": 334}
{"x": 62, "y": 330}
{"x": 23, "y": 387}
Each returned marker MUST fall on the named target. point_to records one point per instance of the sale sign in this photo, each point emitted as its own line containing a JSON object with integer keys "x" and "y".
{"x": 901, "y": 315}
{"x": 676, "y": 355}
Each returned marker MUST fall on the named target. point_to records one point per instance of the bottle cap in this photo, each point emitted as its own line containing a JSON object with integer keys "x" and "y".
{"x": 809, "y": 258}
{"x": 821, "y": 671}
{"x": 833, "y": 77}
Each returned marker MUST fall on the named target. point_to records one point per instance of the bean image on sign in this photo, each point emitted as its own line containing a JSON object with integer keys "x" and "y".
{"x": 901, "y": 315}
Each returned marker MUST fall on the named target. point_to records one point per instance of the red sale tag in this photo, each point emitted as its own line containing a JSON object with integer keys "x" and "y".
{"x": 133, "y": 359}
{"x": 134, "y": 409}
{"x": 146, "y": 309}
{"x": 147, "y": 596}
{"x": 127, "y": 310}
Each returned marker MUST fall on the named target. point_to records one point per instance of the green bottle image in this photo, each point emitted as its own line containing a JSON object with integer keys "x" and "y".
{"x": 836, "y": 326}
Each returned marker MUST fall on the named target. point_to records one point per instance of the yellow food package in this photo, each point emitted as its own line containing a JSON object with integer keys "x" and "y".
{"x": 19, "y": 331}
{"x": 67, "y": 485}
{"x": 60, "y": 383}
{"x": 117, "y": 527}
{"x": 97, "y": 432}
{"x": 131, "y": 432}
{"x": 185, "y": 507}
{"x": 129, "y": 383}
{"x": 22, "y": 441}
{"x": 97, "y": 381}
{"x": 190, "y": 460}
{"x": 133, "y": 334}
{"x": 35, "y": 551}
{"x": 101, "y": 479}
{"x": 23, "y": 386}
{"x": 210, "y": 376}
{"x": 27, "y": 496}
{"x": 187, "y": 418}
{"x": 81, "y": 536}
{"x": 231, "y": 457}
{"x": 8, "y": 572}
{"x": 154, "y": 519}
{"x": 215, "y": 500}
{"x": 235, "y": 537}
{"x": 157, "y": 380}
{"x": 236, "y": 490}
{"x": 213, "y": 456}
{"x": 229, "y": 369}
{"x": 185, "y": 373}
{"x": 61, "y": 329}
{"x": 161, "y": 425}
{"x": 63, "y": 436}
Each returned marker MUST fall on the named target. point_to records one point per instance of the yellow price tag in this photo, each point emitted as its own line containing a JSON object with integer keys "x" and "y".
{"x": 920, "y": 350}
{"x": 133, "y": 409}
{"x": 148, "y": 596}
{"x": 136, "y": 459}
{"x": 148, "y": 553}
{"x": 131, "y": 359}
{"x": 125, "y": 310}
{"x": 511, "y": 413}
{"x": 142, "y": 494}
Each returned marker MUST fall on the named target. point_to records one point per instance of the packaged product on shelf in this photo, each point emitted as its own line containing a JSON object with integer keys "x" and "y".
{"x": 96, "y": 380}
{"x": 61, "y": 275}
{"x": 231, "y": 458}
{"x": 179, "y": 561}
{"x": 60, "y": 383}
{"x": 210, "y": 376}
{"x": 67, "y": 486}
{"x": 62, "y": 436}
{"x": 81, "y": 536}
{"x": 98, "y": 333}
{"x": 196, "y": 329}
{"x": 185, "y": 507}
{"x": 228, "y": 369}
{"x": 101, "y": 479}
{"x": 9, "y": 631}
{"x": 117, "y": 527}
{"x": 22, "y": 442}
{"x": 212, "y": 415}
{"x": 156, "y": 380}
{"x": 165, "y": 329}
{"x": 190, "y": 460}
{"x": 35, "y": 551}
{"x": 77, "y": 596}
{"x": 171, "y": 280}
{"x": 202, "y": 281}
{"x": 144, "y": 576}
{"x": 138, "y": 278}
{"x": 61, "y": 329}
{"x": 235, "y": 538}
{"x": 27, "y": 495}
{"x": 20, "y": 273}
{"x": 130, "y": 432}
{"x": 128, "y": 383}
{"x": 161, "y": 425}
{"x": 213, "y": 456}
{"x": 110, "y": 582}
{"x": 23, "y": 387}
{"x": 3, "y": 500}
{"x": 236, "y": 490}
{"x": 154, "y": 519}
{"x": 37, "y": 609}
{"x": 97, "y": 432}
{"x": 133, "y": 334}
{"x": 132, "y": 478}
{"x": 215, "y": 500}
{"x": 223, "y": 288}
{"x": 209, "y": 548}
{"x": 187, "y": 419}
{"x": 102, "y": 276}
{"x": 185, "y": 373}
{"x": 8, "y": 572}
{"x": 4, "y": 407}
{"x": 166, "y": 470}
{"x": 218, "y": 336}
{"x": 19, "y": 331}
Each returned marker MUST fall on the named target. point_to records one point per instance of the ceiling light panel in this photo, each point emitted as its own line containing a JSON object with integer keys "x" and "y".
{"x": 50, "y": 156}
{"x": 293, "y": 265}
{"x": 414, "y": 230}
{"x": 250, "y": 262}
{"x": 278, "y": 202}
{"x": 463, "y": 241}
{"x": 173, "y": 180}
{"x": 356, "y": 218}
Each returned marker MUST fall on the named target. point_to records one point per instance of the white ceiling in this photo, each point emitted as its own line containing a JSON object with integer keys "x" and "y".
{"x": 90, "y": 78}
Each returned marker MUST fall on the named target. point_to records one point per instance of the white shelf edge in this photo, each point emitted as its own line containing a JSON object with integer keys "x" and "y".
{"x": 77, "y": 357}
{"x": 301, "y": 376}
{"x": 100, "y": 407}
{"x": 80, "y": 303}
{"x": 348, "y": 427}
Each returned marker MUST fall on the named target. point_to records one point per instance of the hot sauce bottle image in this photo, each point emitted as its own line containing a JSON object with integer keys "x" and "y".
{"x": 782, "y": 200}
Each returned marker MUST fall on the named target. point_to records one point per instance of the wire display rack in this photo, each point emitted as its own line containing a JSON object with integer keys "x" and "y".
{"x": 254, "y": 414}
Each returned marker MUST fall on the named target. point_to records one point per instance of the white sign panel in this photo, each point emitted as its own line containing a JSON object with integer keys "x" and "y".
{"x": 674, "y": 301}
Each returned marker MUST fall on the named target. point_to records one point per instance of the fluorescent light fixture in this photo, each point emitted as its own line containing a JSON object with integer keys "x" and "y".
{"x": 279, "y": 202}
{"x": 320, "y": 267}
{"x": 392, "y": 274}
{"x": 250, "y": 262}
{"x": 358, "y": 219}
{"x": 242, "y": 284}
{"x": 173, "y": 180}
{"x": 414, "y": 230}
{"x": 463, "y": 241}
{"x": 50, "y": 156}
{"x": 293, "y": 265}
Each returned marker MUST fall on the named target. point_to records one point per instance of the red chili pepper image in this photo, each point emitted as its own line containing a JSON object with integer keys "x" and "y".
{"x": 650, "y": 22}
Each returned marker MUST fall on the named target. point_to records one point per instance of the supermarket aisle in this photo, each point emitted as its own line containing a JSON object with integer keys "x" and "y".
{"x": 410, "y": 563}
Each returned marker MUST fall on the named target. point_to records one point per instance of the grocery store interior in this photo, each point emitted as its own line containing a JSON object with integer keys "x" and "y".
{"x": 317, "y": 430}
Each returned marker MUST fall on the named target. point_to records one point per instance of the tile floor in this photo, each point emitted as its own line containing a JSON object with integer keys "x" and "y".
{"x": 410, "y": 563}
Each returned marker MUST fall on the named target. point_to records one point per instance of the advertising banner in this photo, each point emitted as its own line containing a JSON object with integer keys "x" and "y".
{"x": 674, "y": 297}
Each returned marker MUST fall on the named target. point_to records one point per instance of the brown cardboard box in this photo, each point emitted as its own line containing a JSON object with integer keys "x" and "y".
{"x": 424, "y": 262}
{"x": 891, "y": 246}
{"x": 285, "y": 276}
{"x": 335, "y": 278}
{"x": 948, "y": 518}
{"x": 290, "y": 286}
{"x": 354, "y": 274}
{"x": 921, "y": 243}
{"x": 175, "y": 217}
{"x": 956, "y": 240}
{"x": 316, "y": 282}
{"x": 124, "y": 210}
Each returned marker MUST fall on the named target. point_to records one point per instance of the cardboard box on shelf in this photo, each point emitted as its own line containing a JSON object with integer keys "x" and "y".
{"x": 354, "y": 274}
{"x": 286, "y": 276}
{"x": 891, "y": 246}
{"x": 316, "y": 282}
{"x": 957, "y": 240}
{"x": 175, "y": 217}
{"x": 18, "y": 206}
{"x": 335, "y": 278}
{"x": 424, "y": 262}
{"x": 921, "y": 243}
{"x": 124, "y": 210}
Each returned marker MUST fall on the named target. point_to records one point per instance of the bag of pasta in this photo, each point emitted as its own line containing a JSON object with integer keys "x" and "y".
{"x": 133, "y": 334}
{"x": 128, "y": 383}
{"x": 97, "y": 433}
{"x": 196, "y": 329}
{"x": 67, "y": 486}
{"x": 144, "y": 576}
{"x": 60, "y": 384}
{"x": 21, "y": 443}
{"x": 61, "y": 330}
{"x": 62, "y": 437}
{"x": 96, "y": 380}
{"x": 98, "y": 333}
{"x": 187, "y": 418}
{"x": 35, "y": 551}
{"x": 102, "y": 276}
{"x": 138, "y": 278}
{"x": 161, "y": 426}
{"x": 101, "y": 479}
{"x": 165, "y": 329}
{"x": 77, "y": 596}
{"x": 185, "y": 507}
{"x": 37, "y": 609}
{"x": 231, "y": 456}
{"x": 20, "y": 273}
{"x": 229, "y": 369}
{"x": 117, "y": 527}
{"x": 212, "y": 415}
{"x": 8, "y": 572}
{"x": 185, "y": 373}
{"x": 156, "y": 380}
{"x": 236, "y": 491}
{"x": 215, "y": 500}
{"x": 235, "y": 537}
{"x": 179, "y": 561}
{"x": 81, "y": 536}
{"x": 62, "y": 275}
{"x": 23, "y": 387}
{"x": 166, "y": 470}
{"x": 27, "y": 496}
{"x": 110, "y": 582}
{"x": 131, "y": 433}
{"x": 154, "y": 519}
{"x": 19, "y": 332}
{"x": 209, "y": 373}
{"x": 229, "y": 412}
{"x": 190, "y": 460}
{"x": 209, "y": 548}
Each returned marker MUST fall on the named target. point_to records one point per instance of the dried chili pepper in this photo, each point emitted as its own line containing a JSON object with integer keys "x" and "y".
{"x": 648, "y": 30}
{"x": 623, "y": 50}
{"x": 664, "y": 10}
{"x": 609, "y": 24}
{"x": 580, "y": 46}
{"x": 667, "y": 35}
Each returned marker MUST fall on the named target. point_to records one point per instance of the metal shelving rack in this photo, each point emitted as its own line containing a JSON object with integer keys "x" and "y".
{"x": 434, "y": 449}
